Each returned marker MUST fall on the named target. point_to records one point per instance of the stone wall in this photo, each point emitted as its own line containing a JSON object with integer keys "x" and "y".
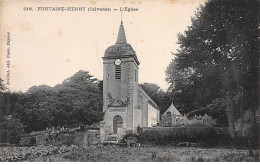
{"x": 81, "y": 138}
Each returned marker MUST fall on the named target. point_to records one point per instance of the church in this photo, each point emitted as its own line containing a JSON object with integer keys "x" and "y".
{"x": 124, "y": 101}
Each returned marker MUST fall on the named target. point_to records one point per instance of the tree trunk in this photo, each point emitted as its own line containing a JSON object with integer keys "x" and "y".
{"x": 242, "y": 109}
{"x": 240, "y": 131}
{"x": 231, "y": 119}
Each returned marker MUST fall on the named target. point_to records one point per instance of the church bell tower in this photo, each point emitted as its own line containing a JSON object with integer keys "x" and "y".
{"x": 120, "y": 84}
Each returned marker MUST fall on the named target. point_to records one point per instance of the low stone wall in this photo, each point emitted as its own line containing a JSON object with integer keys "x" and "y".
{"x": 86, "y": 138}
{"x": 81, "y": 138}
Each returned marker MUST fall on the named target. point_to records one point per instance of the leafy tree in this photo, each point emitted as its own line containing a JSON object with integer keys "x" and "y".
{"x": 7, "y": 103}
{"x": 217, "y": 110}
{"x": 10, "y": 130}
{"x": 100, "y": 85}
{"x": 35, "y": 110}
{"x": 86, "y": 97}
{"x": 219, "y": 58}
{"x": 2, "y": 101}
{"x": 1, "y": 85}
{"x": 78, "y": 100}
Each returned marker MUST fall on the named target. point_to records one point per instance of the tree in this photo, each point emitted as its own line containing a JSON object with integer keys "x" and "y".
{"x": 10, "y": 130}
{"x": 219, "y": 58}
{"x": 35, "y": 110}
{"x": 86, "y": 97}
{"x": 100, "y": 85}
{"x": 2, "y": 101}
{"x": 78, "y": 100}
{"x": 1, "y": 85}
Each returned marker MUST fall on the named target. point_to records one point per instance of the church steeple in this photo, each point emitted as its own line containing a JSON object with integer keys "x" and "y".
{"x": 121, "y": 48}
{"x": 121, "y": 38}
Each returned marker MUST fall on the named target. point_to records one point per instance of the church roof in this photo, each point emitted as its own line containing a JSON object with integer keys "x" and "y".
{"x": 121, "y": 49}
{"x": 173, "y": 111}
{"x": 150, "y": 100}
{"x": 121, "y": 39}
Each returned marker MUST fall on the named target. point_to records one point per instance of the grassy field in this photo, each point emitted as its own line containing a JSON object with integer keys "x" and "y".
{"x": 151, "y": 154}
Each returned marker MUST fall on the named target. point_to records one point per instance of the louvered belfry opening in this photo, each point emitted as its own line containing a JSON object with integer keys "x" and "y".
{"x": 118, "y": 72}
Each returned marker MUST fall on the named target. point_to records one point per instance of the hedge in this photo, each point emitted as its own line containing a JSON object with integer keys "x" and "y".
{"x": 160, "y": 135}
{"x": 12, "y": 137}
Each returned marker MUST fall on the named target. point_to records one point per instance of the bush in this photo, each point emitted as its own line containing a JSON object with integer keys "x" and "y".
{"x": 32, "y": 141}
{"x": 3, "y": 136}
{"x": 192, "y": 123}
{"x": 130, "y": 135}
{"x": 161, "y": 135}
{"x": 11, "y": 129}
{"x": 13, "y": 138}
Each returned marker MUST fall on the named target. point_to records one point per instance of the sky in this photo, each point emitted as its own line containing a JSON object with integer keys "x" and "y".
{"x": 47, "y": 47}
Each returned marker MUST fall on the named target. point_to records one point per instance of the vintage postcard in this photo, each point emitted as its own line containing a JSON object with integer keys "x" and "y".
{"x": 129, "y": 80}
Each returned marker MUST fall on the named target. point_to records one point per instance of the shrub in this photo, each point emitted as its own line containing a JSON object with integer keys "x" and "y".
{"x": 206, "y": 135}
{"x": 14, "y": 138}
{"x": 130, "y": 135}
{"x": 32, "y": 141}
{"x": 193, "y": 123}
{"x": 3, "y": 136}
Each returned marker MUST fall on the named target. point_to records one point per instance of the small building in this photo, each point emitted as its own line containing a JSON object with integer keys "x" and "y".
{"x": 172, "y": 117}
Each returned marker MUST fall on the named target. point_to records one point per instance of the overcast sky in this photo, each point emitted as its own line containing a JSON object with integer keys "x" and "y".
{"x": 50, "y": 46}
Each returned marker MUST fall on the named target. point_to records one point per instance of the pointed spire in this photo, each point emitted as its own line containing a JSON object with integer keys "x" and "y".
{"x": 121, "y": 39}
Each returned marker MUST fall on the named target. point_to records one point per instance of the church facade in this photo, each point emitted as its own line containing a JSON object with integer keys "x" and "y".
{"x": 124, "y": 101}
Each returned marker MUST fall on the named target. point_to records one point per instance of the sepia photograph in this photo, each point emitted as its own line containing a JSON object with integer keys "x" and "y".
{"x": 129, "y": 80}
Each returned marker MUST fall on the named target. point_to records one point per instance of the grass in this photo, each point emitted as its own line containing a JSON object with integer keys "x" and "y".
{"x": 151, "y": 154}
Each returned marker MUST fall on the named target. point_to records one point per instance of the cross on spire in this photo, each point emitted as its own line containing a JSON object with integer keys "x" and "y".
{"x": 121, "y": 17}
